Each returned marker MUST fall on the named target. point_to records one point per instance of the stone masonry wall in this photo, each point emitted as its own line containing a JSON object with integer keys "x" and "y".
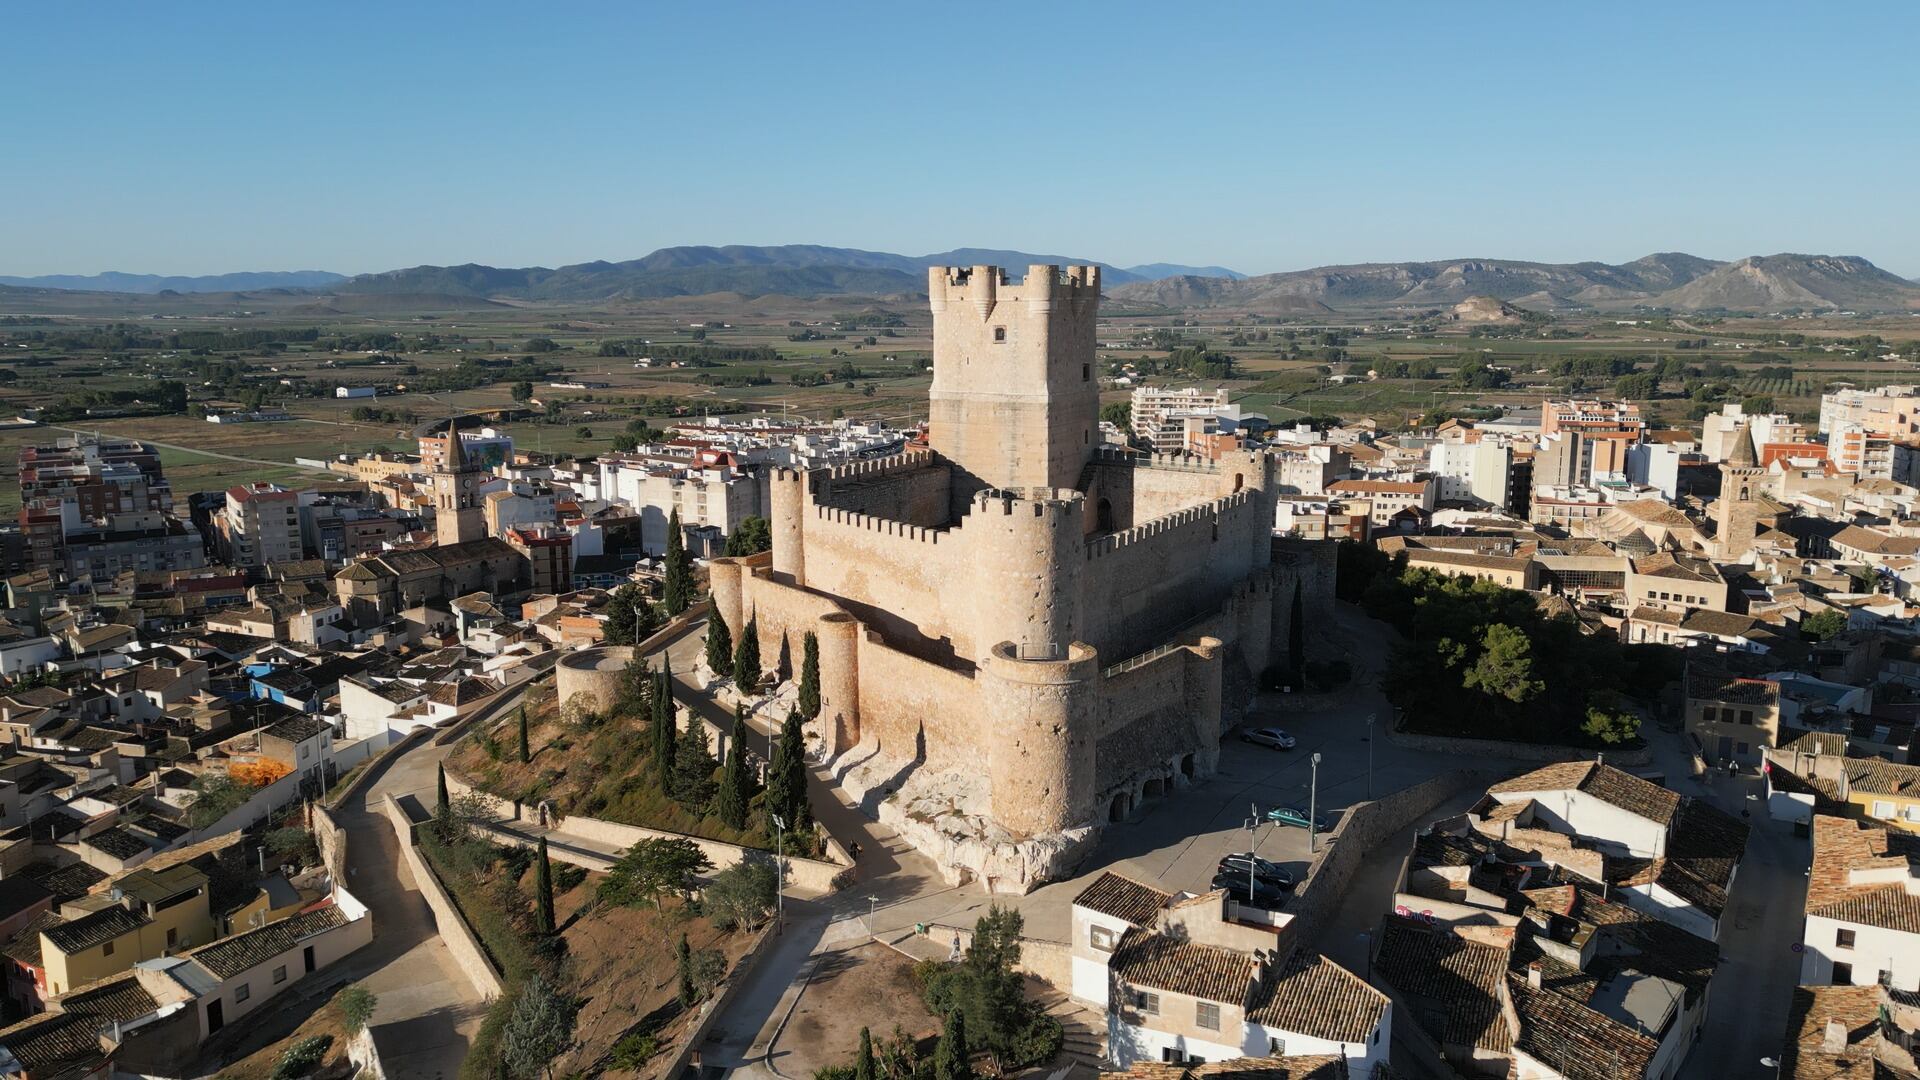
{"x": 1145, "y": 582}
{"x": 917, "y": 490}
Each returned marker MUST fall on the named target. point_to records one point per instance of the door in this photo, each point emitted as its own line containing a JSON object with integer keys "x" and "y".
{"x": 1726, "y": 747}
{"x": 215, "y": 1016}
{"x": 307, "y": 955}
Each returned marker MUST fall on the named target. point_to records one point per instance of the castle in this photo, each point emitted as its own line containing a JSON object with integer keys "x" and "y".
{"x": 1022, "y": 633}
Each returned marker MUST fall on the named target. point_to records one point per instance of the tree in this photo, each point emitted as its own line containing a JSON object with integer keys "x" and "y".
{"x": 742, "y": 895}
{"x": 746, "y": 657}
{"x": 730, "y": 802}
{"x": 1757, "y": 404}
{"x": 1609, "y": 725}
{"x": 583, "y": 432}
{"x": 719, "y": 645}
{"x": 543, "y": 889}
{"x": 651, "y": 868}
{"x": 950, "y": 1054}
{"x": 526, "y": 752}
{"x": 1505, "y": 666}
{"x": 580, "y": 709}
{"x": 863, "y": 1065}
{"x": 810, "y": 677}
{"x": 693, "y": 767}
{"x": 636, "y": 685}
{"x": 787, "y": 777}
{"x": 523, "y": 391}
{"x": 754, "y": 536}
{"x": 537, "y": 1030}
{"x": 1640, "y": 386}
{"x": 356, "y": 1004}
{"x": 1822, "y": 625}
{"x": 1119, "y": 414}
{"x": 1296, "y": 638}
{"x": 440, "y": 802}
{"x": 630, "y": 617}
{"x": 683, "y": 969}
{"x": 679, "y": 583}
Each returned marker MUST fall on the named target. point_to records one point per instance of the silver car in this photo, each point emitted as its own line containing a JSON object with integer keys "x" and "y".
{"x": 1268, "y": 736}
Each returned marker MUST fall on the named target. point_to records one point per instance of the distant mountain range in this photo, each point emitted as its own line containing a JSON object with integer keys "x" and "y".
{"x": 1664, "y": 280}
{"x": 113, "y": 281}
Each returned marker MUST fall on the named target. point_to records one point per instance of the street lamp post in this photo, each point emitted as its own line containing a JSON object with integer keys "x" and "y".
{"x": 1313, "y": 808}
{"x": 1771, "y": 1063}
{"x": 1253, "y": 845}
{"x": 1370, "y": 718}
{"x": 871, "y": 901}
{"x": 779, "y": 871}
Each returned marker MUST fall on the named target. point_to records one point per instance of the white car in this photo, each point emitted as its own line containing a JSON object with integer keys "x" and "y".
{"x": 1268, "y": 736}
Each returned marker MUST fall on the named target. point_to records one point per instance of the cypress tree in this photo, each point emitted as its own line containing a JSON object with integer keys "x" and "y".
{"x": 730, "y": 802}
{"x": 863, "y": 1067}
{"x": 810, "y": 677}
{"x": 678, "y": 593}
{"x": 543, "y": 889}
{"x": 950, "y": 1054}
{"x": 746, "y": 657}
{"x": 693, "y": 767}
{"x": 787, "y": 780}
{"x": 664, "y": 729}
{"x": 526, "y": 753}
{"x": 719, "y": 645}
{"x": 683, "y": 962}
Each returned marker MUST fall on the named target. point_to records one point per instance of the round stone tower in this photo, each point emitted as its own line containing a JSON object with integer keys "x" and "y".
{"x": 1039, "y": 716}
{"x": 724, "y": 576}
{"x": 790, "y": 507}
{"x": 839, "y": 637}
{"x": 1028, "y": 556}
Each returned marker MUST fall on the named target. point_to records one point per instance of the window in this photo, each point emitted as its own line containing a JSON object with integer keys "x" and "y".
{"x": 1842, "y": 974}
{"x": 1100, "y": 938}
{"x": 1147, "y": 1004}
{"x": 999, "y": 334}
{"x": 1843, "y": 939}
{"x": 1882, "y": 809}
{"x": 106, "y": 949}
{"x": 1086, "y": 372}
{"x": 173, "y": 933}
{"x": 1278, "y": 1047}
{"x": 1746, "y": 716}
{"x": 1207, "y": 1015}
{"x": 242, "y": 993}
{"x": 279, "y": 974}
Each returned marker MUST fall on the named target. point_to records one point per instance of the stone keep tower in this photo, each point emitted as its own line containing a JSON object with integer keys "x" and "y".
{"x": 457, "y": 513}
{"x": 1014, "y": 402}
{"x": 1736, "y": 514}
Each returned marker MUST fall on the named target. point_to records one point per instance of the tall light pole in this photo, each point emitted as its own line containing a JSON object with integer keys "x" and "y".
{"x": 1370, "y": 719}
{"x": 779, "y": 871}
{"x": 871, "y": 901}
{"x": 1253, "y": 845}
{"x": 1772, "y": 1063}
{"x": 1313, "y": 808}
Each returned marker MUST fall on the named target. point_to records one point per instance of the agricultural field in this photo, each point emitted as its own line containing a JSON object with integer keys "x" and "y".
{"x": 813, "y": 358}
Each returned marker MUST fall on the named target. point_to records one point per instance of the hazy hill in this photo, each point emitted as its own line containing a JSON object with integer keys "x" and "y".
{"x": 1156, "y": 271}
{"x": 1668, "y": 279}
{"x": 114, "y": 281}
{"x": 1788, "y": 282}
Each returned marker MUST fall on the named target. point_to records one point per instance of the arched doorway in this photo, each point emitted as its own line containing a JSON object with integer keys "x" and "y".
{"x": 1120, "y": 808}
{"x": 1187, "y": 767}
{"x": 1153, "y": 788}
{"x": 1104, "y": 519}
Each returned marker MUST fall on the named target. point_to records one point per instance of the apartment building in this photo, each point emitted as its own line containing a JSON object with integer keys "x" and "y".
{"x": 260, "y": 525}
{"x": 1155, "y": 410}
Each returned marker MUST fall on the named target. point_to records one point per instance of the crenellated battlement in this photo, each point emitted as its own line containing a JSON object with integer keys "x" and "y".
{"x": 1003, "y": 500}
{"x": 988, "y": 286}
{"x": 1209, "y": 511}
{"x": 869, "y": 468}
{"x": 883, "y": 526}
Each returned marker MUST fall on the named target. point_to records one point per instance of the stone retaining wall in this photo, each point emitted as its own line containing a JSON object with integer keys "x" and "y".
{"x": 597, "y": 670}
{"x": 1361, "y": 829}
{"x": 814, "y": 874}
{"x": 713, "y": 1008}
{"x": 1517, "y": 751}
{"x": 462, "y": 944}
{"x": 394, "y": 749}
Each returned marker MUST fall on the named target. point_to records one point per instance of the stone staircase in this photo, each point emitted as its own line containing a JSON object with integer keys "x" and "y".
{"x": 1085, "y": 1029}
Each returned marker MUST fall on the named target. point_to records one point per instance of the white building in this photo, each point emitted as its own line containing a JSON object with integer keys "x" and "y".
{"x": 353, "y": 391}
{"x": 1863, "y": 907}
{"x": 1472, "y": 472}
{"x": 717, "y": 494}
{"x": 1155, "y": 408}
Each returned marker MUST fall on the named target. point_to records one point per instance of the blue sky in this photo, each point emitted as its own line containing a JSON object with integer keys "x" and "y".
{"x": 201, "y": 138}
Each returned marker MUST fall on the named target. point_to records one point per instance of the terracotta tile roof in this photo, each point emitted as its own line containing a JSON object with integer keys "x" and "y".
{"x": 1575, "y": 1041}
{"x": 1160, "y": 962}
{"x": 1302, "y": 1067}
{"x": 1817, "y": 742}
{"x": 53, "y": 1043}
{"x": 1876, "y": 777}
{"x": 1888, "y": 907}
{"x": 1858, "y": 1010}
{"x": 1666, "y": 564}
{"x": 1448, "y": 972}
{"x": 1123, "y": 898}
{"x": 1314, "y": 996}
{"x": 1603, "y": 782}
{"x": 1712, "y": 685}
{"x": 93, "y": 928}
{"x": 232, "y": 956}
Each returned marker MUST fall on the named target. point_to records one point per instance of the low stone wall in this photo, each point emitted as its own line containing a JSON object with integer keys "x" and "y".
{"x": 1049, "y": 961}
{"x": 362, "y": 1051}
{"x": 486, "y": 710}
{"x": 814, "y": 874}
{"x": 1517, "y": 751}
{"x": 464, "y": 946}
{"x": 1363, "y": 828}
{"x": 597, "y": 670}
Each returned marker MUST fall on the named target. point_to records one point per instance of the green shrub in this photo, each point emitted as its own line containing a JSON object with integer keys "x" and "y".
{"x": 630, "y": 1054}
{"x": 302, "y": 1058}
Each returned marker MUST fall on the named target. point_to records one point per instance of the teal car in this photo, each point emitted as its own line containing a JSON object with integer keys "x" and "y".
{"x": 1296, "y": 817}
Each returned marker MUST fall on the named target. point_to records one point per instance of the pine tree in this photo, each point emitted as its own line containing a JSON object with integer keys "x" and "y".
{"x": 863, "y": 1067}
{"x": 440, "y": 806}
{"x": 693, "y": 767}
{"x": 950, "y": 1053}
{"x": 730, "y": 802}
{"x": 526, "y": 753}
{"x": 810, "y": 677}
{"x": 746, "y": 657}
{"x": 683, "y": 963}
{"x": 543, "y": 889}
{"x": 678, "y": 593}
{"x": 719, "y": 645}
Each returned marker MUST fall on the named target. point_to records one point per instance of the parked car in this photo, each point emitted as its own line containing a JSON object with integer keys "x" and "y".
{"x": 1268, "y": 736}
{"x": 1264, "y": 870}
{"x": 1296, "y": 817}
{"x": 1261, "y": 895}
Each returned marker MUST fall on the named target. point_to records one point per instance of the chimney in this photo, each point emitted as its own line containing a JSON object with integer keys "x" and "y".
{"x": 1836, "y": 1038}
{"x": 1533, "y": 974}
